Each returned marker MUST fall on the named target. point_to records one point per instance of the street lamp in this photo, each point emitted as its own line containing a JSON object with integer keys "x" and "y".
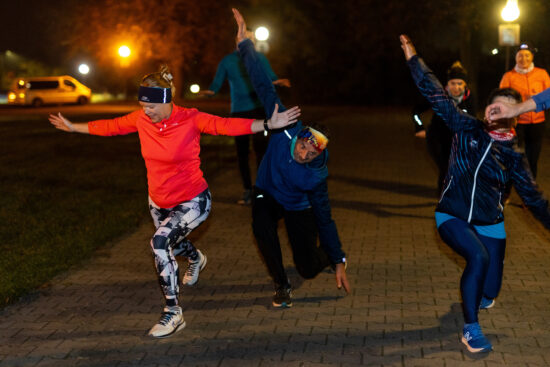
{"x": 83, "y": 69}
{"x": 124, "y": 52}
{"x": 261, "y": 33}
{"x": 508, "y": 33}
{"x": 194, "y": 88}
{"x": 511, "y": 11}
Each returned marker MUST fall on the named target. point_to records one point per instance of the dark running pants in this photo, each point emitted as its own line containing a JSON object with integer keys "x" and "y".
{"x": 530, "y": 138}
{"x": 484, "y": 257}
{"x": 439, "y": 141}
{"x": 169, "y": 240}
{"x": 302, "y": 232}
{"x": 242, "y": 143}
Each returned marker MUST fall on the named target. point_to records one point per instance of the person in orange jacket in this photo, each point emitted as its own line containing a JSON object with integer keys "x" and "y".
{"x": 528, "y": 80}
{"x": 179, "y": 198}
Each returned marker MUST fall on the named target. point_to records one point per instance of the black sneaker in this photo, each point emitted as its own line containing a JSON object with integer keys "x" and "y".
{"x": 282, "y": 297}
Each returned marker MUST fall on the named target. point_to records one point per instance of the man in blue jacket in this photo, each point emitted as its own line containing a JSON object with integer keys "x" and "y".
{"x": 291, "y": 184}
{"x": 245, "y": 104}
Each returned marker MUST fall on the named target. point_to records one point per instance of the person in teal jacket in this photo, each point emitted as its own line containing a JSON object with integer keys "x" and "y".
{"x": 244, "y": 104}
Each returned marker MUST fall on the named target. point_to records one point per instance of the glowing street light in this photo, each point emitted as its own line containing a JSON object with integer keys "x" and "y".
{"x": 510, "y": 11}
{"x": 261, "y": 34}
{"x": 495, "y": 51}
{"x": 508, "y": 33}
{"x": 195, "y": 88}
{"x": 83, "y": 69}
{"x": 124, "y": 51}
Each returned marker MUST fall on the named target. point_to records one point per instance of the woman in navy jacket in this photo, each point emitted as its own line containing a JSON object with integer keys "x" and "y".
{"x": 469, "y": 215}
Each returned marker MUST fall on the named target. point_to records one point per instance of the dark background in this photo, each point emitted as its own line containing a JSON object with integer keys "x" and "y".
{"x": 342, "y": 52}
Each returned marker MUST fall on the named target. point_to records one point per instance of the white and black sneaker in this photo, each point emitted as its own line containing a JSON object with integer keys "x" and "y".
{"x": 191, "y": 275}
{"x": 170, "y": 322}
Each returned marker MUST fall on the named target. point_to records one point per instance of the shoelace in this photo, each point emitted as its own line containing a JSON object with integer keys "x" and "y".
{"x": 166, "y": 317}
{"x": 192, "y": 267}
{"x": 473, "y": 332}
{"x": 283, "y": 292}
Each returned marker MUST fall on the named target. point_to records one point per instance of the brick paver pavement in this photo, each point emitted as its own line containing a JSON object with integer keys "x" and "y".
{"x": 404, "y": 309}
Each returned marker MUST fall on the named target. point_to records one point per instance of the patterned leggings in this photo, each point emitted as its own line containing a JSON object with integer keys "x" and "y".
{"x": 169, "y": 240}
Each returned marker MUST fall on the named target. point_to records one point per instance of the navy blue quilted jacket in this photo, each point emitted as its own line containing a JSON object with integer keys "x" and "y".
{"x": 295, "y": 186}
{"x": 479, "y": 166}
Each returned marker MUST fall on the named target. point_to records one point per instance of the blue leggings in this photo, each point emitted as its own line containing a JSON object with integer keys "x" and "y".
{"x": 484, "y": 257}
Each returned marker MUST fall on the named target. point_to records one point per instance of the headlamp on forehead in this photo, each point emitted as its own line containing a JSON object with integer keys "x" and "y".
{"x": 526, "y": 47}
{"x": 316, "y": 138}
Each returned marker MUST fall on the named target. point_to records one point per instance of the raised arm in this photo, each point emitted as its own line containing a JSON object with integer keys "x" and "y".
{"x": 260, "y": 80}
{"x": 431, "y": 88}
{"x": 219, "y": 78}
{"x": 282, "y": 83}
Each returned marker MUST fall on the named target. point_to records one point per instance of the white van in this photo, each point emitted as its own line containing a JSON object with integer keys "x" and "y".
{"x": 37, "y": 91}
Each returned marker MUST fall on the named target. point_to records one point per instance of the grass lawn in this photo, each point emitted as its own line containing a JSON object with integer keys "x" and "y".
{"x": 64, "y": 195}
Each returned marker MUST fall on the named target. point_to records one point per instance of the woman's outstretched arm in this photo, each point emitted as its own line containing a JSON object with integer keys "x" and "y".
{"x": 62, "y": 123}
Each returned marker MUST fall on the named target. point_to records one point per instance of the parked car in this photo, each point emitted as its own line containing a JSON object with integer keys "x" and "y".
{"x": 37, "y": 91}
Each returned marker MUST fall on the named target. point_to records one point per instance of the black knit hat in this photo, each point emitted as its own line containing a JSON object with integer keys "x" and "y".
{"x": 526, "y": 46}
{"x": 457, "y": 71}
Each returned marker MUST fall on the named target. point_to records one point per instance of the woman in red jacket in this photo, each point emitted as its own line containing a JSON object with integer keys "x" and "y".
{"x": 179, "y": 199}
{"x": 528, "y": 80}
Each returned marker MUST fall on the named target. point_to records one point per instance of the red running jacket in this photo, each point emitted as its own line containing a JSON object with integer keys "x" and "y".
{"x": 171, "y": 148}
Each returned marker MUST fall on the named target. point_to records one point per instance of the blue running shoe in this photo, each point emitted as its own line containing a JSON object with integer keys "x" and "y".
{"x": 474, "y": 339}
{"x": 486, "y": 303}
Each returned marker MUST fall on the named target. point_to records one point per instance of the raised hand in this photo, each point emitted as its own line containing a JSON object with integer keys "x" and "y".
{"x": 282, "y": 83}
{"x": 241, "y": 32}
{"x": 282, "y": 119}
{"x": 407, "y": 46}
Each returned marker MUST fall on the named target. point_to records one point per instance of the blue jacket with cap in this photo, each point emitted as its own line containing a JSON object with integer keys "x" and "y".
{"x": 294, "y": 185}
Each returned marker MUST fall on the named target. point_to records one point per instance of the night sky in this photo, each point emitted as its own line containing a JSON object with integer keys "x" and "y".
{"x": 343, "y": 51}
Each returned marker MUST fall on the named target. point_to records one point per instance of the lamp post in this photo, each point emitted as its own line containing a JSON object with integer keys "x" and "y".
{"x": 262, "y": 34}
{"x": 124, "y": 52}
{"x": 508, "y": 33}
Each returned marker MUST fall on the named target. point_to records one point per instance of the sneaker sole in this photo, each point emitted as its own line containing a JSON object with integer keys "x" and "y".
{"x": 180, "y": 327}
{"x": 489, "y": 306}
{"x": 282, "y": 305}
{"x": 475, "y": 350}
{"x": 202, "y": 266}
